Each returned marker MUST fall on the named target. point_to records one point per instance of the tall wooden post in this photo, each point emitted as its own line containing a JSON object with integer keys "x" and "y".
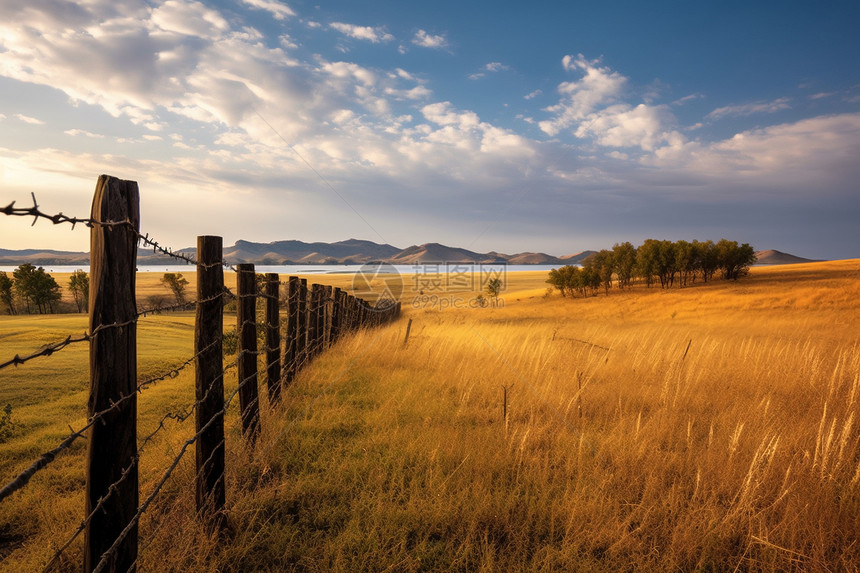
{"x": 336, "y": 314}
{"x": 112, "y": 442}
{"x": 209, "y": 381}
{"x": 313, "y": 322}
{"x": 292, "y": 335}
{"x": 302, "y": 325}
{"x": 246, "y": 320}
{"x": 328, "y": 311}
{"x": 273, "y": 338}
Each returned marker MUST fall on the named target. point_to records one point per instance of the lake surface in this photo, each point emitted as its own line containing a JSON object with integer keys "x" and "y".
{"x": 427, "y": 268}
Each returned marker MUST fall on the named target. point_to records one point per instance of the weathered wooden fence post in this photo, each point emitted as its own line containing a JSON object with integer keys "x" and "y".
{"x": 292, "y": 335}
{"x": 313, "y": 322}
{"x": 336, "y": 314}
{"x": 303, "y": 325}
{"x": 273, "y": 338}
{"x": 408, "y": 328}
{"x": 246, "y": 321}
{"x": 112, "y": 443}
{"x": 328, "y": 311}
{"x": 209, "y": 381}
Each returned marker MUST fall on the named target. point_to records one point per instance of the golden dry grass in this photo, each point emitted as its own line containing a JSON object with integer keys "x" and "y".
{"x": 713, "y": 428}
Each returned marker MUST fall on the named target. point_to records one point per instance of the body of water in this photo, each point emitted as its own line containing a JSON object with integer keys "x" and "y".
{"x": 404, "y": 270}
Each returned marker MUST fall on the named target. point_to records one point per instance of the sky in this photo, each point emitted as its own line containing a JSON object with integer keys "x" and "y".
{"x": 552, "y": 126}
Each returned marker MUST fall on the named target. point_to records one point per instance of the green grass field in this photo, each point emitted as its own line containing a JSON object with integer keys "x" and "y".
{"x": 712, "y": 428}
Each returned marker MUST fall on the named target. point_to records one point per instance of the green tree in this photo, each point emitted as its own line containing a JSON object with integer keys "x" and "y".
{"x": 494, "y": 287}
{"x": 734, "y": 260}
{"x": 564, "y": 279}
{"x": 647, "y": 260}
{"x": 686, "y": 262}
{"x": 707, "y": 256}
{"x": 22, "y": 279}
{"x": 597, "y": 270}
{"x": 7, "y": 296}
{"x": 624, "y": 256}
{"x": 36, "y": 288}
{"x": 79, "y": 285}
{"x": 177, "y": 285}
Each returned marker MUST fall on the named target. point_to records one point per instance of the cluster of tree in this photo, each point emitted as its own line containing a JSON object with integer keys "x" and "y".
{"x": 669, "y": 262}
{"x": 32, "y": 290}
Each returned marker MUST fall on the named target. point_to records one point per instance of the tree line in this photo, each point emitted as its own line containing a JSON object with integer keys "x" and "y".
{"x": 670, "y": 263}
{"x": 32, "y": 290}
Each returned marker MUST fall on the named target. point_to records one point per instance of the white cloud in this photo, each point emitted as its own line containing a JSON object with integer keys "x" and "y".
{"x": 189, "y": 19}
{"x": 750, "y": 109}
{"x": 796, "y": 157}
{"x": 401, "y": 73}
{"x": 76, "y": 132}
{"x": 533, "y": 94}
{"x": 427, "y": 40}
{"x": 687, "y": 98}
{"x": 599, "y": 86}
{"x": 416, "y": 93}
{"x": 491, "y": 67}
{"x": 624, "y": 126}
{"x": 278, "y": 9}
{"x": 28, "y": 119}
{"x": 371, "y": 34}
{"x": 287, "y": 42}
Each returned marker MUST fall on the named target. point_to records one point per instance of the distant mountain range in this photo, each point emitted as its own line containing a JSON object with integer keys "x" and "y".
{"x": 352, "y": 251}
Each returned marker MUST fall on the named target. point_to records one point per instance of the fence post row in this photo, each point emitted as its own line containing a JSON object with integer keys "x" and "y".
{"x": 209, "y": 378}
{"x": 112, "y": 443}
{"x": 246, "y": 320}
{"x": 273, "y": 338}
{"x": 316, "y": 319}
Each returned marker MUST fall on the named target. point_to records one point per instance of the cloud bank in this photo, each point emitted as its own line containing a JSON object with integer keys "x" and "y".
{"x": 219, "y": 110}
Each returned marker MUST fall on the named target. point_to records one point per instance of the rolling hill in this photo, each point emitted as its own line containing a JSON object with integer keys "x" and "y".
{"x": 774, "y": 257}
{"x": 351, "y": 251}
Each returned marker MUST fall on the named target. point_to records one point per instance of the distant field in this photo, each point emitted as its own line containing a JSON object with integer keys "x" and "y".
{"x": 711, "y": 428}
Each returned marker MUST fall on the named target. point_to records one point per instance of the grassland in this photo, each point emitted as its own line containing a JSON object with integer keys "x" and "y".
{"x": 712, "y": 428}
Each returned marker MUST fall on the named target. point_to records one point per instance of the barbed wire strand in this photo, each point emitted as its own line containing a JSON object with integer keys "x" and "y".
{"x": 107, "y": 555}
{"x": 23, "y": 478}
{"x": 182, "y": 416}
{"x": 49, "y": 349}
{"x": 60, "y": 218}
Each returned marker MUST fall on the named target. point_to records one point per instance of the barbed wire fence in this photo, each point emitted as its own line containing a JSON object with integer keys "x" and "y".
{"x": 315, "y": 317}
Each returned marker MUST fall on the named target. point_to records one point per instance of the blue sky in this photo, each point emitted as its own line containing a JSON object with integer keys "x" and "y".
{"x": 545, "y": 126}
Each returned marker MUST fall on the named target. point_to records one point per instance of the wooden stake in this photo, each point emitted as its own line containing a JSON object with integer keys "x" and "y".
{"x": 209, "y": 378}
{"x": 112, "y": 442}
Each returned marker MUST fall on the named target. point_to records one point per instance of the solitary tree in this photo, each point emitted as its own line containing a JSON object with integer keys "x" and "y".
{"x": 494, "y": 287}
{"x": 177, "y": 285}
{"x": 79, "y": 284}
{"x": 7, "y": 297}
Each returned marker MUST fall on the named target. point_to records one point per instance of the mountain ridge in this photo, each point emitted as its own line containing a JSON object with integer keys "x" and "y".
{"x": 350, "y": 251}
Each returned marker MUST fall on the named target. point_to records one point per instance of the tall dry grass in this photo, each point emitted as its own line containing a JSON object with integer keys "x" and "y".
{"x": 713, "y": 428}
